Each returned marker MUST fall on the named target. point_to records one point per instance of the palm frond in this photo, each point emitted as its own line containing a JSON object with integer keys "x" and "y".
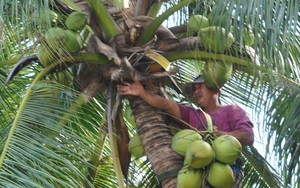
{"x": 37, "y": 143}
{"x": 283, "y": 121}
{"x": 113, "y": 136}
{"x": 257, "y": 166}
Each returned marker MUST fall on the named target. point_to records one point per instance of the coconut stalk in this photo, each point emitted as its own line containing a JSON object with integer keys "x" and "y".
{"x": 107, "y": 24}
{"x": 71, "y": 4}
{"x": 152, "y": 28}
{"x": 155, "y": 8}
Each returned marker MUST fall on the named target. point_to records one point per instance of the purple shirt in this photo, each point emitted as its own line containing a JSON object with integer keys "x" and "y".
{"x": 227, "y": 118}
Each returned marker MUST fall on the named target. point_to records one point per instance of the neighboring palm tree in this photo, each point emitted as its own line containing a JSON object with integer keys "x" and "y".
{"x": 62, "y": 122}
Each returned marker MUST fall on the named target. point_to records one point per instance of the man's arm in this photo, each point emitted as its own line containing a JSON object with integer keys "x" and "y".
{"x": 241, "y": 126}
{"x": 156, "y": 101}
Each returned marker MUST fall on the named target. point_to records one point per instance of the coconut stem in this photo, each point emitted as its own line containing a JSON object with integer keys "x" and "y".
{"x": 208, "y": 121}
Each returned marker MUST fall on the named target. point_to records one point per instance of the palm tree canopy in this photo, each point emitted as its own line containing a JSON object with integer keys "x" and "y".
{"x": 53, "y": 126}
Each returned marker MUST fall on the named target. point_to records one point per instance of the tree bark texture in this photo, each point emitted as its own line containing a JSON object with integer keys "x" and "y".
{"x": 156, "y": 136}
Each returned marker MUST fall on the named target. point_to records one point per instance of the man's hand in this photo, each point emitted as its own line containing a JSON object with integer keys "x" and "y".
{"x": 153, "y": 100}
{"x": 127, "y": 88}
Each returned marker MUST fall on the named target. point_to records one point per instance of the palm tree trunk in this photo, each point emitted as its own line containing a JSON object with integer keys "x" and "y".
{"x": 156, "y": 137}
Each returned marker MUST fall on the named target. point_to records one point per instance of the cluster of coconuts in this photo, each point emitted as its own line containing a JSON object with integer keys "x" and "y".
{"x": 205, "y": 161}
{"x": 62, "y": 41}
{"x": 201, "y": 25}
{"x": 216, "y": 73}
{"x": 58, "y": 41}
{"x": 207, "y": 32}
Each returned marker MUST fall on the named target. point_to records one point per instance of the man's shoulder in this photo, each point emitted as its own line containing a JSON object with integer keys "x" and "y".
{"x": 187, "y": 109}
{"x": 188, "y": 106}
{"x": 232, "y": 109}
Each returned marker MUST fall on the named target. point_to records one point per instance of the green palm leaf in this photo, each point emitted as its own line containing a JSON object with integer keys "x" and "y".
{"x": 32, "y": 148}
{"x": 257, "y": 165}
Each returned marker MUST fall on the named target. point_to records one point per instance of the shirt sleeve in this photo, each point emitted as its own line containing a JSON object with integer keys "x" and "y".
{"x": 184, "y": 113}
{"x": 193, "y": 117}
{"x": 238, "y": 118}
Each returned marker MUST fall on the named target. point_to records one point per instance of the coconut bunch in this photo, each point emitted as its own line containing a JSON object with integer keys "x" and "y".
{"x": 59, "y": 41}
{"x": 207, "y": 31}
{"x": 216, "y": 72}
{"x": 208, "y": 34}
{"x": 206, "y": 158}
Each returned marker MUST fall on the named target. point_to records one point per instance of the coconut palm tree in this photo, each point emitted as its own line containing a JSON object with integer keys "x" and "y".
{"x": 64, "y": 125}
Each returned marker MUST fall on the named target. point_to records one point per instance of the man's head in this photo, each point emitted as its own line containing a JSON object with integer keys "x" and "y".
{"x": 188, "y": 87}
{"x": 203, "y": 95}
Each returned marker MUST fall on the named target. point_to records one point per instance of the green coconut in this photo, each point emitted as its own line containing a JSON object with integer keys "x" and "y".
{"x": 76, "y": 21}
{"x": 199, "y": 154}
{"x": 182, "y": 139}
{"x": 189, "y": 177}
{"x": 55, "y": 37}
{"x": 216, "y": 73}
{"x": 197, "y": 22}
{"x": 45, "y": 55}
{"x": 73, "y": 43}
{"x": 227, "y": 149}
{"x": 216, "y": 39}
{"x": 220, "y": 175}
{"x": 135, "y": 146}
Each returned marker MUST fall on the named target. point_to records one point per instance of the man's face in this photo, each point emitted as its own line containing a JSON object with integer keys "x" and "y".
{"x": 202, "y": 94}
